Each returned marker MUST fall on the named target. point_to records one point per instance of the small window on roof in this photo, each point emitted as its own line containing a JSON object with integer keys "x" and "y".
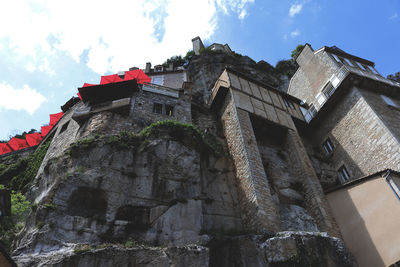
{"x": 157, "y": 108}
{"x": 343, "y": 174}
{"x": 366, "y": 67}
{"x": 389, "y": 101}
{"x": 348, "y": 61}
{"x": 328, "y": 146}
{"x": 360, "y": 65}
{"x": 336, "y": 58}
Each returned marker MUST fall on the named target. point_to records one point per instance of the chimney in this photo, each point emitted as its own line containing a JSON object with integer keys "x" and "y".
{"x": 197, "y": 45}
{"x": 148, "y": 67}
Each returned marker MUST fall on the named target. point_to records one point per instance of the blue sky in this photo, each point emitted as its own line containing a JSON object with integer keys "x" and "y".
{"x": 50, "y": 48}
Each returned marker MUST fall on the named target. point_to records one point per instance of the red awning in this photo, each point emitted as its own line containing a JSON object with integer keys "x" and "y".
{"x": 17, "y": 143}
{"x": 4, "y": 148}
{"x": 33, "y": 139}
{"x": 110, "y": 79}
{"x": 45, "y": 130}
{"x": 139, "y": 75}
{"x": 54, "y": 118}
{"x": 88, "y": 84}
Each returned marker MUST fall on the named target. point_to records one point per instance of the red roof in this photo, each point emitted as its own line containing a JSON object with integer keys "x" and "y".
{"x": 45, "y": 130}
{"x": 54, "y": 118}
{"x": 110, "y": 79}
{"x": 17, "y": 143}
{"x": 33, "y": 139}
{"x": 139, "y": 75}
{"x": 4, "y": 148}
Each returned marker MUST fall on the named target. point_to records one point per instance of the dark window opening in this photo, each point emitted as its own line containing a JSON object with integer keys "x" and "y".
{"x": 169, "y": 110}
{"x": 343, "y": 174}
{"x": 64, "y": 127}
{"x": 328, "y": 90}
{"x": 328, "y": 145}
{"x": 157, "y": 108}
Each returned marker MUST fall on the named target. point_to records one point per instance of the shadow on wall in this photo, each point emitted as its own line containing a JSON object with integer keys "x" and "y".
{"x": 354, "y": 230}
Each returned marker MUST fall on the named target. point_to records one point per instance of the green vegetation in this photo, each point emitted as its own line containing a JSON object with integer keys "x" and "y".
{"x": 179, "y": 61}
{"x": 297, "y": 51}
{"x": 286, "y": 67}
{"x": 20, "y": 173}
{"x": 11, "y": 225}
{"x": 185, "y": 133}
{"x": 82, "y": 248}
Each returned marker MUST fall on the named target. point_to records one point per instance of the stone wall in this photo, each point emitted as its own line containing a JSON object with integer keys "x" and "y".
{"x": 143, "y": 108}
{"x": 313, "y": 72}
{"x": 315, "y": 200}
{"x": 362, "y": 141}
{"x": 258, "y": 210}
{"x": 387, "y": 114}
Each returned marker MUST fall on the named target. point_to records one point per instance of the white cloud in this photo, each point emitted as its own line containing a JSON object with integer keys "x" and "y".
{"x": 394, "y": 16}
{"x": 295, "y": 9}
{"x": 237, "y": 6}
{"x": 20, "y": 99}
{"x": 295, "y": 33}
{"x": 117, "y": 34}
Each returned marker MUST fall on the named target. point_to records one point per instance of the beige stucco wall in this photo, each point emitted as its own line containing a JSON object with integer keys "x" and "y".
{"x": 368, "y": 215}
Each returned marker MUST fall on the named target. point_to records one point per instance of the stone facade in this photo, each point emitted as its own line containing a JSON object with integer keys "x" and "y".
{"x": 258, "y": 210}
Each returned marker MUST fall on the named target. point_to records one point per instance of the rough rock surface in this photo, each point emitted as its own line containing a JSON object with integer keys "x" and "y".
{"x": 165, "y": 194}
{"x": 206, "y": 68}
{"x": 181, "y": 203}
{"x": 187, "y": 256}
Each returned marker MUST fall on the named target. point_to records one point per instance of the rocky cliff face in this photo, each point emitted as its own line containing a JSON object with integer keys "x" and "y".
{"x": 168, "y": 199}
{"x": 207, "y": 67}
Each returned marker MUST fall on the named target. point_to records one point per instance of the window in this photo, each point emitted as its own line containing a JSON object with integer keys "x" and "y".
{"x": 336, "y": 58}
{"x": 328, "y": 145}
{"x": 389, "y": 101}
{"x": 312, "y": 110}
{"x": 157, "y": 108}
{"x": 169, "y": 110}
{"x": 348, "y": 61}
{"x": 328, "y": 90}
{"x": 360, "y": 66}
{"x": 288, "y": 103}
{"x": 321, "y": 98}
{"x": 343, "y": 174}
{"x": 64, "y": 127}
{"x": 157, "y": 80}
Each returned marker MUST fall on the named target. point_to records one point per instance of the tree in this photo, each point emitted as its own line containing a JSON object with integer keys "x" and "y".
{"x": 297, "y": 51}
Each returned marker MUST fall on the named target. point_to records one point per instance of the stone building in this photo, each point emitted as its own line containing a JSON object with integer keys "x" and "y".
{"x": 353, "y": 136}
{"x": 286, "y": 188}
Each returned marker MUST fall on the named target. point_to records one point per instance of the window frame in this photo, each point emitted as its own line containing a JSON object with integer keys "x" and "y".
{"x": 328, "y": 146}
{"x": 343, "y": 174}
{"x": 330, "y": 92}
{"x": 156, "y": 107}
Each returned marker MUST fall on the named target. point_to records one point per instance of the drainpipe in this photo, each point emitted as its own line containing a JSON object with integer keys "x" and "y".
{"x": 392, "y": 185}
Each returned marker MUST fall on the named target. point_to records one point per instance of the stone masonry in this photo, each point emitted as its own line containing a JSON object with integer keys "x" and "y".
{"x": 258, "y": 209}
